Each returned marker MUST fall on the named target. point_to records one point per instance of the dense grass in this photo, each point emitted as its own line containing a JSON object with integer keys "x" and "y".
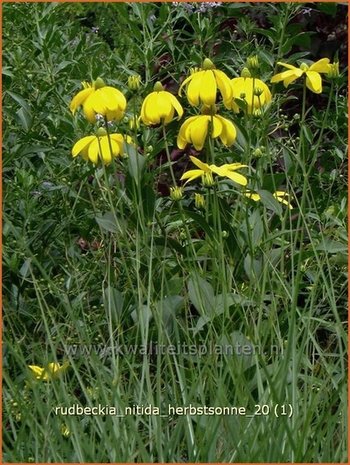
{"x": 99, "y": 263}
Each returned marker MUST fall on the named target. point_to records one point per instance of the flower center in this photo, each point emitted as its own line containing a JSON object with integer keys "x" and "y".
{"x": 101, "y": 132}
{"x": 99, "y": 83}
{"x": 158, "y": 87}
{"x": 245, "y": 73}
{"x": 208, "y": 110}
{"x": 304, "y": 67}
{"x": 208, "y": 64}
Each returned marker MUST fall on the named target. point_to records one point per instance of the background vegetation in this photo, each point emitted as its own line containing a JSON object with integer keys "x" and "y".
{"x": 81, "y": 266}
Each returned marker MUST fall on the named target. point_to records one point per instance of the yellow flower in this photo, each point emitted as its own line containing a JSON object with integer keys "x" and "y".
{"x": 97, "y": 98}
{"x": 159, "y": 106}
{"x": 52, "y": 371}
{"x": 226, "y": 170}
{"x": 281, "y": 196}
{"x": 100, "y": 147}
{"x": 255, "y": 93}
{"x": 313, "y": 77}
{"x": 203, "y": 85}
{"x": 195, "y": 130}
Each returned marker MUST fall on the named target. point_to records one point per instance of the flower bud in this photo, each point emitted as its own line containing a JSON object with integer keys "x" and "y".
{"x": 134, "y": 122}
{"x": 253, "y": 62}
{"x": 258, "y": 91}
{"x": 208, "y": 180}
{"x": 257, "y": 152}
{"x": 333, "y": 72}
{"x": 176, "y": 193}
{"x": 134, "y": 82}
{"x": 199, "y": 200}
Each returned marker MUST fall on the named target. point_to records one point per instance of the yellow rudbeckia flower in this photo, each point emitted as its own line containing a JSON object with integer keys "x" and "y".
{"x": 160, "y": 106}
{"x": 52, "y": 371}
{"x": 254, "y": 92}
{"x": 195, "y": 130}
{"x": 97, "y": 98}
{"x": 312, "y": 72}
{"x": 203, "y": 85}
{"x": 227, "y": 170}
{"x": 100, "y": 147}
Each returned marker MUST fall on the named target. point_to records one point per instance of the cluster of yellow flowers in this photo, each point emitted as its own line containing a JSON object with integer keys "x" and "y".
{"x": 202, "y": 87}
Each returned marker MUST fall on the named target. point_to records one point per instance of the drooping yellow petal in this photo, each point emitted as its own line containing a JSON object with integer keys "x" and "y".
{"x": 79, "y": 99}
{"x": 294, "y": 74}
{"x": 223, "y": 83}
{"x": 288, "y": 80}
{"x": 194, "y": 88}
{"x": 106, "y": 150}
{"x": 38, "y": 371}
{"x": 188, "y": 79}
{"x": 225, "y": 172}
{"x": 208, "y": 88}
{"x": 93, "y": 151}
{"x": 164, "y": 106}
{"x": 81, "y": 145}
{"x": 228, "y": 173}
{"x": 176, "y": 104}
{"x": 252, "y": 195}
{"x": 182, "y": 140}
{"x": 191, "y": 175}
{"x": 203, "y": 166}
{"x": 229, "y": 133}
{"x": 320, "y": 66}
{"x": 286, "y": 65}
{"x": 234, "y": 166}
{"x": 217, "y": 125}
{"x": 149, "y": 113}
{"x": 89, "y": 111}
{"x": 314, "y": 82}
{"x": 266, "y": 96}
{"x": 198, "y": 131}
{"x": 283, "y": 197}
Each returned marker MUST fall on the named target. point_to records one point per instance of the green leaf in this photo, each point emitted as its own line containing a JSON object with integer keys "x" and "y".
{"x": 113, "y": 301}
{"x": 20, "y": 100}
{"x": 257, "y": 227}
{"x": 252, "y": 267}
{"x": 25, "y": 118}
{"x": 107, "y": 222}
{"x": 270, "y": 202}
{"x": 168, "y": 309}
{"x": 331, "y": 246}
{"x": 327, "y": 8}
{"x": 201, "y": 295}
{"x": 136, "y": 163}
